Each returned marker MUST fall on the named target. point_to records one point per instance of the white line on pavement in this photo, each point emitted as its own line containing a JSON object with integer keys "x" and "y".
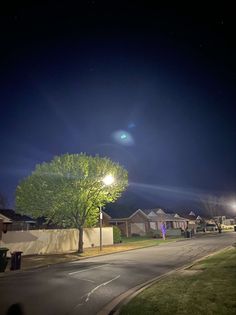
{"x": 91, "y": 292}
{"x": 100, "y": 285}
{"x": 83, "y": 270}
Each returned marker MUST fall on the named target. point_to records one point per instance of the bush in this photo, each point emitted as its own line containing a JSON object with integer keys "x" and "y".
{"x": 153, "y": 233}
{"x": 116, "y": 234}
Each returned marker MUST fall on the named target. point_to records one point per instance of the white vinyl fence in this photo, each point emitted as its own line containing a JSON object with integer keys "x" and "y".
{"x": 53, "y": 241}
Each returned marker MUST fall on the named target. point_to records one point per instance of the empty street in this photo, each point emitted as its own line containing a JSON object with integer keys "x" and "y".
{"x": 86, "y": 286}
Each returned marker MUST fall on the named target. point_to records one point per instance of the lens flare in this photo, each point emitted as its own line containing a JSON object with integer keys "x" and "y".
{"x": 123, "y": 137}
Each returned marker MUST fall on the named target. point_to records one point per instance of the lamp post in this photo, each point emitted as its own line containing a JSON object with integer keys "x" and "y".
{"x": 107, "y": 180}
{"x": 100, "y": 218}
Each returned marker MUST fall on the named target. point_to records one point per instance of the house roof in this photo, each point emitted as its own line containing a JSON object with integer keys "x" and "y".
{"x": 133, "y": 214}
{"x": 10, "y": 214}
{"x": 182, "y": 217}
{"x": 153, "y": 215}
{"x": 152, "y": 212}
{"x": 168, "y": 217}
{"x": 160, "y": 211}
{"x": 106, "y": 214}
{"x": 189, "y": 217}
{"x": 5, "y": 219}
{"x": 199, "y": 218}
{"x": 161, "y": 215}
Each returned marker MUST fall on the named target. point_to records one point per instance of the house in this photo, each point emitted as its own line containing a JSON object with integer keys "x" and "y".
{"x": 136, "y": 223}
{"x": 18, "y": 221}
{"x": 143, "y": 222}
{"x": 194, "y": 221}
{"x": 225, "y": 220}
{"x": 172, "y": 221}
{"x": 4, "y": 224}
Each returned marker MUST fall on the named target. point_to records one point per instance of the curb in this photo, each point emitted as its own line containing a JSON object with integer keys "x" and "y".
{"x": 114, "y": 307}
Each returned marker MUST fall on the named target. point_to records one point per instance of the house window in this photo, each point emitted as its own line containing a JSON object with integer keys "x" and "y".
{"x": 153, "y": 225}
{"x": 169, "y": 224}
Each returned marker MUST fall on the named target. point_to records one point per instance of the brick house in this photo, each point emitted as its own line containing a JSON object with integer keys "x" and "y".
{"x": 142, "y": 222}
{"x": 136, "y": 223}
{"x": 157, "y": 217}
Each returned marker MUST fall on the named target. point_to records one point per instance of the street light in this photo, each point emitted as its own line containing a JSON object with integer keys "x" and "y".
{"x": 233, "y": 205}
{"x": 107, "y": 180}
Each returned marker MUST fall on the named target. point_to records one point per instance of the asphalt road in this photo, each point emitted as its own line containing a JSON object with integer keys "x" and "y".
{"x": 85, "y": 287}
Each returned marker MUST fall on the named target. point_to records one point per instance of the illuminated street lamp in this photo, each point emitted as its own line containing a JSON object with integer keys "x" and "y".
{"x": 107, "y": 180}
{"x": 233, "y": 205}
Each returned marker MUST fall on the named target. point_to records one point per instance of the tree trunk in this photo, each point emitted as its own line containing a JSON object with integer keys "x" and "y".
{"x": 81, "y": 243}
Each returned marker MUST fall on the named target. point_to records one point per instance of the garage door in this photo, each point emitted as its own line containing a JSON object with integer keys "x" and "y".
{"x": 138, "y": 228}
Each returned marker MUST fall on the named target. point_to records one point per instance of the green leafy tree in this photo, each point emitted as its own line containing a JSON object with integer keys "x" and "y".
{"x": 214, "y": 208}
{"x": 70, "y": 189}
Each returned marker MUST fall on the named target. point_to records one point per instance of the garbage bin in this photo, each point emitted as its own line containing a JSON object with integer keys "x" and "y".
{"x": 235, "y": 228}
{"x": 3, "y": 258}
{"x": 188, "y": 234}
{"x": 15, "y": 260}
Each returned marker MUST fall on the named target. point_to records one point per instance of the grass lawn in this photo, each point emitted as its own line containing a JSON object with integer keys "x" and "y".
{"x": 127, "y": 244}
{"x": 208, "y": 287}
{"x": 139, "y": 239}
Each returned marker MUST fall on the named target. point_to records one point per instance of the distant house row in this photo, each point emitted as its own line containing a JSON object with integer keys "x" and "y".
{"x": 15, "y": 221}
{"x": 146, "y": 222}
{"x": 140, "y": 222}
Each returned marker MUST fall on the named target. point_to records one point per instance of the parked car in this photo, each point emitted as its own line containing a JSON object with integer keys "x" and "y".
{"x": 211, "y": 227}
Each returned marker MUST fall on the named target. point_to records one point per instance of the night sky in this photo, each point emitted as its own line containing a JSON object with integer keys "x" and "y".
{"x": 148, "y": 86}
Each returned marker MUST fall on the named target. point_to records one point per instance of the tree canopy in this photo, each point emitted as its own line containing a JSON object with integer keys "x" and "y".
{"x": 70, "y": 189}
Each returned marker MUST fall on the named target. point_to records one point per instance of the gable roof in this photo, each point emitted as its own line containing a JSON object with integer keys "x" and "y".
{"x": 129, "y": 217}
{"x": 138, "y": 211}
{"x": 160, "y": 211}
{"x": 160, "y": 215}
{"x": 153, "y": 215}
{"x": 5, "y": 219}
{"x": 152, "y": 212}
{"x": 149, "y": 212}
{"x": 189, "y": 217}
{"x": 106, "y": 214}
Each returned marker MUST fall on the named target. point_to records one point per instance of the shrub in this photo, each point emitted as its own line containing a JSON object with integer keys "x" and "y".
{"x": 116, "y": 234}
{"x": 153, "y": 233}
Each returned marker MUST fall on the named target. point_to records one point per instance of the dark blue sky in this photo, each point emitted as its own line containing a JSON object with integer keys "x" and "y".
{"x": 73, "y": 75}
